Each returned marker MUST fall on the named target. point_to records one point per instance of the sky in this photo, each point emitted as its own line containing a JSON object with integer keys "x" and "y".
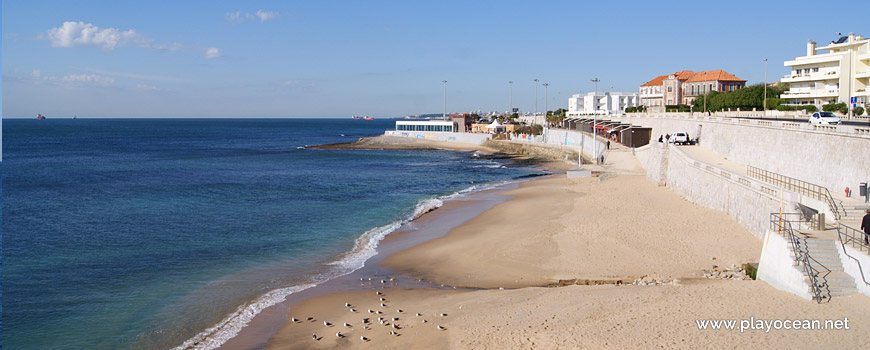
{"x": 268, "y": 59}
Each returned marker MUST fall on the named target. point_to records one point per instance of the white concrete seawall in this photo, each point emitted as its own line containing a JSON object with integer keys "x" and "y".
{"x": 831, "y": 156}
{"x": 776, "y": 267}
{"x": 463, "y": 137}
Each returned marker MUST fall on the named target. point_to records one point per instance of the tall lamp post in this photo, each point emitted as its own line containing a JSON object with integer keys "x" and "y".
{"x": 595, "y": 120}
{"x": 444, "y": 116}
{"x": 536, "y": 100}
{"x": 764, "y": 104}
{"x": 511, "y": 111}
{"x": 546, "y": 123}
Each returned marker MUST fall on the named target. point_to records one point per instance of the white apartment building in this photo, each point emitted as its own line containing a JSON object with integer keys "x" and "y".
{"x": 834, "y": 76}
{"x": 601, "y": 103}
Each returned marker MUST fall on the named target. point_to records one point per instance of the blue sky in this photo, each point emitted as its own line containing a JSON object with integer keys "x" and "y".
{"x": 380, "y": 58}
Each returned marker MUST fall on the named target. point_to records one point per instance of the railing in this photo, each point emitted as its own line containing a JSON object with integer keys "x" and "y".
{"x": 853, "y": 237}
{"x": 818, "y": 283}
{"x": 847, "y": 235}
{"x": 797, "y": 186}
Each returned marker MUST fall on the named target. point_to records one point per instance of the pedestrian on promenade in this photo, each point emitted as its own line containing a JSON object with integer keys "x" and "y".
{"x": 865, "y": 225}
{"x": 608, "y": 144}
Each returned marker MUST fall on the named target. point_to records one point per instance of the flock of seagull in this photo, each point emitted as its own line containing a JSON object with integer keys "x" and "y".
{"x": 367, "y": 322}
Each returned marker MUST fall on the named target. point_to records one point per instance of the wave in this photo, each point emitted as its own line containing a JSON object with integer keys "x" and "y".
{"x": 365, "y": 247}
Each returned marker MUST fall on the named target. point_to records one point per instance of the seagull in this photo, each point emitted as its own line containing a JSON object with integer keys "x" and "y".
{"x": 361, "y": 279}
{"x": 396, "y": 326}
{"x": 365, "y": 320}
{"x": 366, "y": 327}
{"x": 395, "y": 318}
{"x": 294, "y": 320}
{"x": 378, "y": 312}
{"x": 339, "y": 335}
{"x": 419, "y": 314}
{"x": 380, "y": 318}
{"x": 383, "y": 299}
{"x": 383, "y": 305}
{"x": 314, "y": 336}
{"x": 441, "y": 328}
{"x": 346, "y": 304}
{"x": 382, "y": 281}
{"x": 310, "y": 319}
{"x": 379, "y": 293}
{"x": 352, "y": 310}
{"x": 347, "y": 324}
{"x": 363, "y": 338}
{"x": 443, "y": 314}
{"x": 327, "y": 324}
{"x": 371, "y": 311}
{"x": 393, "y": 333}
{"x": 399, "y": 310}
{"x": 424, "y": 320}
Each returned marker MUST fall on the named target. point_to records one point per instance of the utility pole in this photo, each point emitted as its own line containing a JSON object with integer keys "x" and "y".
{"x": 444, "y": 116}
{"x": 595, "y": 121}
{"x": 764, "y": 104}
{"x": 536, "y": 100}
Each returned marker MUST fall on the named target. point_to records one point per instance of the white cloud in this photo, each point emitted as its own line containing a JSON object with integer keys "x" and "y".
{"x": 86, "y": 34}
{"x": 89, "y": 79}
{"x": 240, "y": 17}
{"x": 147, "y": 87}
{"x": 266, "y": 15}
{"x": 131, "y": 75}
{"x": 234, "y": 17}
{"x": 81, "y": 79}
{"x": 212, "y": 52}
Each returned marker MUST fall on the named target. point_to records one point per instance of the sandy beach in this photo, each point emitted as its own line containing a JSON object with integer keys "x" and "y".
{"x": 574, "y": 264}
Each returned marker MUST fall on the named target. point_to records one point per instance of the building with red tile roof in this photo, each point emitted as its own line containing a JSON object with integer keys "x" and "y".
{"x": 682, "y": 87}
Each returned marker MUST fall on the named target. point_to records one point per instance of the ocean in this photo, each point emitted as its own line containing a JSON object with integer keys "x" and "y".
{"x": 143, "y": 233}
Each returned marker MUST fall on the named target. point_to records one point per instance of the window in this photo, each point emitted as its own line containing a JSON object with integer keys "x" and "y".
{"x": 815, "y": 69}
{"x": 670, "y": 89}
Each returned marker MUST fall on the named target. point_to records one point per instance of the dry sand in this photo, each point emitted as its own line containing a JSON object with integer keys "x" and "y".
{"x": 577, "y": 230}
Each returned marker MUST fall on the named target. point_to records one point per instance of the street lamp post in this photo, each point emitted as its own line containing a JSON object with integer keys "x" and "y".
{"x": 764, "y": 104}
{"x": 546, "y": 122}
{"x": 536, "y": 100}
{"x": 511, "y": 111}
{"x": 595, "y": 120}
{"x": 444, "y": 116}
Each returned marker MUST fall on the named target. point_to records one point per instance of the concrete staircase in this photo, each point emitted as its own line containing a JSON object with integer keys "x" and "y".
{"x": 824, "y": 257}
{"x": 854, "y": 214}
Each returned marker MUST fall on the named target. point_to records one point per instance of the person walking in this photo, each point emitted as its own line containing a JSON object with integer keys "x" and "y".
{"x": 865, "y": 225}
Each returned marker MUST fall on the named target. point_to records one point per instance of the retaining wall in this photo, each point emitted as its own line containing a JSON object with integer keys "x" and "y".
{"x": 463, "y": 137}
{"x": 831, "y": 156}
{"x": 776, "y": 267}
{"x": 852, "y": 268}
{"x": 539, "y": 150}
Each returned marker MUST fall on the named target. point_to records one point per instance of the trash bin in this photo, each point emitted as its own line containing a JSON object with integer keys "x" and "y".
{"x": 862, "y": 189}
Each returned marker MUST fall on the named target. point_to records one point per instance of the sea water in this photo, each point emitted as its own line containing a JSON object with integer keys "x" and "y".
{"x": 150, "y": 233}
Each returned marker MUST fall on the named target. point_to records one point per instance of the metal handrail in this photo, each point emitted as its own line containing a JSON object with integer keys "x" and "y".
{"x": 798, "y": 186}
{"x": 849, "y": 237}
{"x": 780, "y": 223}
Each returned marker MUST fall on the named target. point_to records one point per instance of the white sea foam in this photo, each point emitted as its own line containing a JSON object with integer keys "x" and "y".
{"x": 364, "y": 248}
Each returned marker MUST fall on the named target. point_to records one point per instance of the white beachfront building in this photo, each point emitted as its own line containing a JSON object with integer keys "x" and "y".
{"x": 601, "y": 103}
{"x": 834, "y": 76}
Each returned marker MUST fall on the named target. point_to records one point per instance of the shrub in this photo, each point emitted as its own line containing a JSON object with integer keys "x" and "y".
{"x": 810, "y": 108}
{"x": 785, "y": 108}
{"x": 858, "y": 110}
{"x": 844, "y": 110}
{"x": 834, "y": 107}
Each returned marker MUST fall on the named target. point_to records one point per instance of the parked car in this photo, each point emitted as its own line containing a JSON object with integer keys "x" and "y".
{"x": 680, "y": 138}
{"x": 824, "y": 118}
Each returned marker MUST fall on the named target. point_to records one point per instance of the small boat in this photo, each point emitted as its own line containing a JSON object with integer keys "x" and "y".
{"x": 356, "y": 117}
{"x": 369, "y": 118}
{"x": 40, "y": 117}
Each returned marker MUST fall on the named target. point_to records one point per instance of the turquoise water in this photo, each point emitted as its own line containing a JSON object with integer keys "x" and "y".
{"x": 143, "y": 233}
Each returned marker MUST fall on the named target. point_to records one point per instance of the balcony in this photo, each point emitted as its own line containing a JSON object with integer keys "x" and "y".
{"x": 810, "y": 93}
{"x": 820, "y": 75}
